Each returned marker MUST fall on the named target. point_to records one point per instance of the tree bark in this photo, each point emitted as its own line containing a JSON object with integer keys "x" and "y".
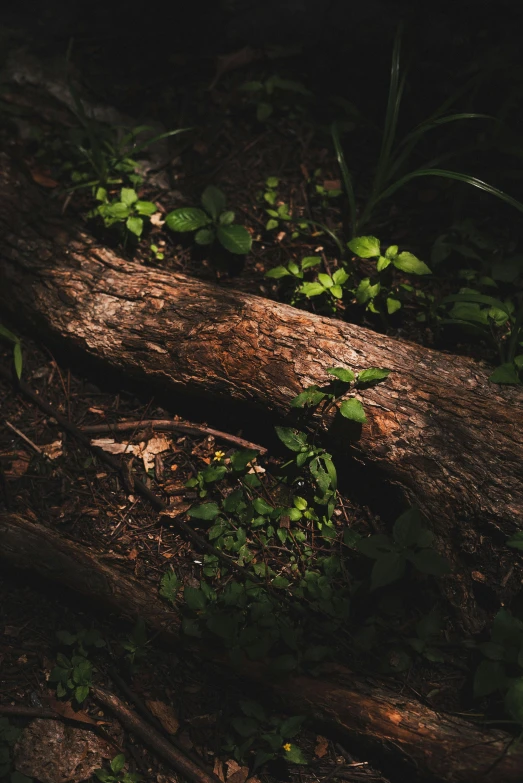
{"x": 437, "y": 429}
{"x": 427, "y": 746}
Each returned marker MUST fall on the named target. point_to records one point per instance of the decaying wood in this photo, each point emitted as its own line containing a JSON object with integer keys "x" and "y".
{"x": 437, "y": 430}
{"x": 432, "y": 746}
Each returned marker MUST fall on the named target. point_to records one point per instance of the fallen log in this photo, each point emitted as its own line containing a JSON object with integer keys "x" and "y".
{"x": 437, "y": 429}
{"x": 428, "y": 745}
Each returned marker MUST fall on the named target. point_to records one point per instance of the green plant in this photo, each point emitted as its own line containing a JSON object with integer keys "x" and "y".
{"x": 73, "y": 676}
{"x": 263, "y": 737}
{"x": 501, "y": 670}
{"x": 8, "y": 736}
{"x": 116, "y": 772}
{"x": 211, "y": 223}
{"x": 136, "y": 644}
{"x": 17, "y": 348}
{"x": 373, "y": 293}
{"x": 127, "y": 211}
{"x": 380, "y": 294}
{"x": 410, "y": 542}
{"x": 157, "y": 254}
{"x": 268, "y": 94}
{"x": 388, "y": 174}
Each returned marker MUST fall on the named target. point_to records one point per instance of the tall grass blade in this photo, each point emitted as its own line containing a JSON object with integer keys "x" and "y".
{"x": 345, "y": 175}
{"x": 455, "y": 175}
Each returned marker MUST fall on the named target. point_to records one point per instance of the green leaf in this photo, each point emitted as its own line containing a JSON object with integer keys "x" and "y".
{"x": 514, "y": 700}
{"x": 367, "y": 291}
{"x": 325, "y": 280}
{"x": 169, "y": 586}
{"x": 291, "y": 726}
{"x": 246, "y": 726}
{"x": 353, "y": 409}
{"x": 311, "y": 289}
{"x": 271, "y": 225}
{"x": 373, "y": 375}
{"x": 235, "y": 239}
{"x": 393, "y": 305}
{"x": 240, "y": 459}
{"x": 17, "y": 356}
{"x": 262, "y": 507}
{"x": 383, "y": 263}
{"x": 310, "y": 261}
{"x": 206, "y": 511}
{"x": 272, "y": 182}
{"x": 283, "y": 664}
{"x": 187, "y": 219}
{"x": 408, "y": 262}
{"x": 336, "y": 291}
{"x": 295, "y": 756}
{"x": 391, "y": 252}
{"x": 428, "y": 561}
{"x": 81, "y": 693}
{"x": 227, "y": 218}
{"x": 194, "y": 598}
{"x": 311, "y": 396}
{"x": 505, "y": 373}
{"x": 347, "y": 376}
{"x": 489, "y": 678}
{"x": 8, "y": 335}
{"x": 340, "y": 277}
{"x": 375, "y": 546}
{"x": 293, "y": 439}
{"x": 117, "y": 764}
{"x": 280, "y": 582}
{"x": 205, "y": 236}
{"x": 277, "y": 272}
{"x": 213, "y": 201}
{"x": 263, "y": 111}
{"x": 388, "y": 568}
{"x": 253, "y": 709}
{"x": 145, "y": 208}
{"x": 365, "y": 247}
{"x": 135, "y": 225}
{"x": 516, "y": 541}
{"x": 492, "y": 651}
{"x": 407, "y": 527}
{"x": 128, "y": 196}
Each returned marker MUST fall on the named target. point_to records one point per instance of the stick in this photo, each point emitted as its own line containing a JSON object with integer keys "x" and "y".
{"x": 152, "y": 738}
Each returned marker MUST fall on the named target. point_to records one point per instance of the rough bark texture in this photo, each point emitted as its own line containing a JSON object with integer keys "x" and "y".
{"x": 436, "y": 428}
{"x": 432, "y": 746}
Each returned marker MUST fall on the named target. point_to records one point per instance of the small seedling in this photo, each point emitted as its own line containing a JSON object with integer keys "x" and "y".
{"x": 264, "y": 736}
{"x": 116, "y": 772}
{"x": 268, "y": 94}
{"x": 212, "y": 222}
{"x": 373, "y": 293}
{"x": 128, "y": 211}
{"x": 73, "y": 676}
{"x": 17, "y": 348}
{"x": 410, "y": 542}
{"x": 501, "y": 671}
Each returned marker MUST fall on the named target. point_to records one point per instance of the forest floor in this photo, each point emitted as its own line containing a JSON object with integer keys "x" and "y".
{"x": 57, "y": 482}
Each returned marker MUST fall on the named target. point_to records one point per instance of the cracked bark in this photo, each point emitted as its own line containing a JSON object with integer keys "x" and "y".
{"x": 437, "y": 430}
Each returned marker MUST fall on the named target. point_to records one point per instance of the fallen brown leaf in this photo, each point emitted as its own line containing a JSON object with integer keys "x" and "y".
{"x": 322, "y": 746}
{"x": 165, "y": 714}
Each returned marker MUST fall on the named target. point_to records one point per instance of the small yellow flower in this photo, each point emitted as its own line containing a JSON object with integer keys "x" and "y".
{"x": 287, "y": 746}
{"x": 219, "y": 454}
